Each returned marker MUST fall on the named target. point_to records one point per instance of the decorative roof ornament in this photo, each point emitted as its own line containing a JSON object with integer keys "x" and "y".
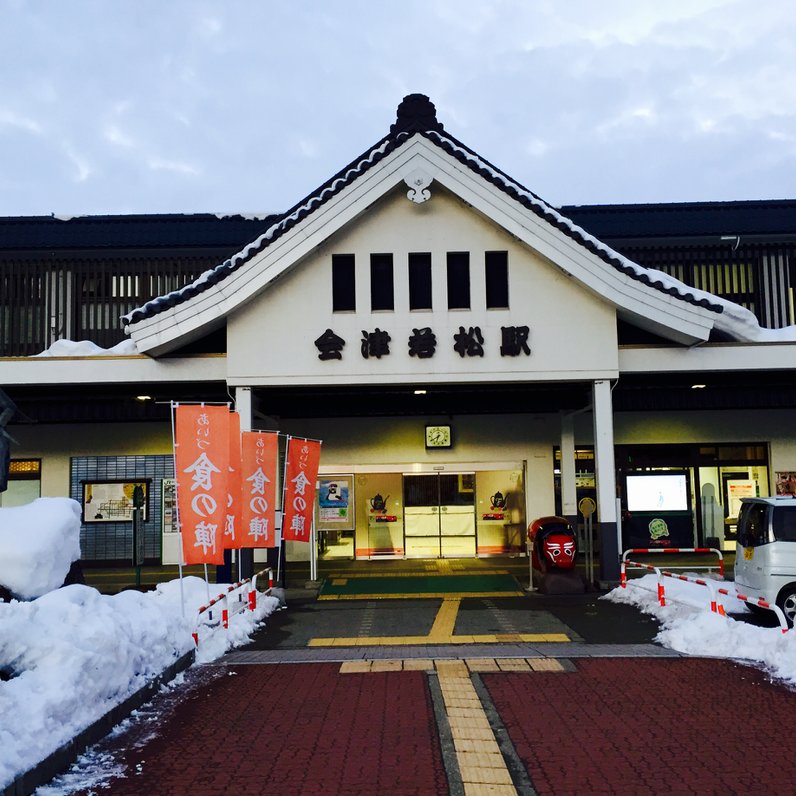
{"x": 416, "y": 114}
{"x": 418, "y": 182}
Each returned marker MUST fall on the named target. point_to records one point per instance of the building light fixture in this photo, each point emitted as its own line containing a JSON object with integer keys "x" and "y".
{"x": 420, "y": 392}
{"x": 143, "y": 397}
{"x": 698, "y": 386}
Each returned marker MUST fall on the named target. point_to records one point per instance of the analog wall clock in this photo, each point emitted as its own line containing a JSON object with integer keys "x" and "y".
{"x": 438, "y": 437}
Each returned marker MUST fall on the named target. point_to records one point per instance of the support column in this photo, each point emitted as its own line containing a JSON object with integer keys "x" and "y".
{"x": 605, "y": 474}
{"x": 243, "y": 405}
{"x": 569, "y": 495}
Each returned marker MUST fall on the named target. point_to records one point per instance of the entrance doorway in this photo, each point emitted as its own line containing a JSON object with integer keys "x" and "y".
{"x": 439, "y": 515}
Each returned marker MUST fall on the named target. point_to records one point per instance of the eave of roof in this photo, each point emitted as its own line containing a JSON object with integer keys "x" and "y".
{"x": 423, "y": 123}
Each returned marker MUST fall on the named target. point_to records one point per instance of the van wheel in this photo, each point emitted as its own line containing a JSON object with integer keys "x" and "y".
{"x": 787, "y": 602}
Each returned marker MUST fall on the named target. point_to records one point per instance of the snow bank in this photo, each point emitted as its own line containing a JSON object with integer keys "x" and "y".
{"x": 688, "y": 626}
{"x": 85, "y": 348}
{"x": 74, "y": 654}
{"x": 38, "y": 544}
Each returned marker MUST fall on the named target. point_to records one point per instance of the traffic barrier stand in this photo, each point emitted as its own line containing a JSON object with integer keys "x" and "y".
{"x": 713, "y": 589}
{"x": 671, "y": 551}
{"x": 783, "y": 623}
{"x": 237, "y": 605}
{"x": 650, "y": 568}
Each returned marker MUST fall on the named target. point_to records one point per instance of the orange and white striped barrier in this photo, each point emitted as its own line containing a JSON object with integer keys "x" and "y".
{"x": 670, "y": 551}
{"x": 713, "y": 590}
{"x": 238, "y": 605}
{"x": 783, "y": 623}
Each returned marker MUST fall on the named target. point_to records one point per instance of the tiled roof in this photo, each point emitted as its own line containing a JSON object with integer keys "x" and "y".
{"x": 415, "y": 116}
{"x": 769, "y": 218}
{"x": 198, "y": 230}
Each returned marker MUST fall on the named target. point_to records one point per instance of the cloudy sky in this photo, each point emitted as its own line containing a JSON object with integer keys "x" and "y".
{"x": 124, "y": 106}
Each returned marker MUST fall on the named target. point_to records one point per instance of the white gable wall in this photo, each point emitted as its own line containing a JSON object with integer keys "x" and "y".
{"x": 270, "y": 340}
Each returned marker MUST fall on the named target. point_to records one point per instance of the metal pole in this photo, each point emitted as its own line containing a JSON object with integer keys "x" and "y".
{"x": 313, "y": 552}
{"x": 174, "y": 405}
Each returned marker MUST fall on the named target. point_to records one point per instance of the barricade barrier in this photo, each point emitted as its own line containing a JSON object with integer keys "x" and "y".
{"x": 713, "y": 590}
{"x": 671, "y": 551}
{"x": 783, "y": 623}
{"x": 237, "y": 605}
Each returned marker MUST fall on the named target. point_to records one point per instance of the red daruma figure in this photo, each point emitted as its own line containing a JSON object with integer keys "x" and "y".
{"x": 553, "y": 549}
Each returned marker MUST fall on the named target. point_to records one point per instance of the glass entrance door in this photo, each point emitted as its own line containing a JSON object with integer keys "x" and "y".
{"x": 439, "y": 515}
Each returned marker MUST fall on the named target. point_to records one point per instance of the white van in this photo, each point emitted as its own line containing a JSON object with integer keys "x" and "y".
{"x": 765, "y": 553}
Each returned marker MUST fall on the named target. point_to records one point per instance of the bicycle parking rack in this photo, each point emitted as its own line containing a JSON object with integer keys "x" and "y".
{"x": 237, "y": 606}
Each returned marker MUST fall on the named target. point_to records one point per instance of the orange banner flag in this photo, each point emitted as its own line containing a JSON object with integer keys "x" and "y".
{"x": 201, "y": 442}
{"x": 260, "y": 453}
{"x": 232, "y": 529}
{"x": 301, "y": 474}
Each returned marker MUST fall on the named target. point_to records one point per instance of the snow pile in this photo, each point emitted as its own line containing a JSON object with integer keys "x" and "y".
{"x": 38, "y": 544}
{"x": 85, "y": 348}
{"x": 74, "y": 654}
{"x": 689, "y": 626}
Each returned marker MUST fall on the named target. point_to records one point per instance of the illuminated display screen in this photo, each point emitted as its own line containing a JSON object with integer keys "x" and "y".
{"x": 657, "y": 492}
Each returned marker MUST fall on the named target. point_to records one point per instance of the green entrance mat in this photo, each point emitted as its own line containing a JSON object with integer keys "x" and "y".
{"x": 397, "y": 586}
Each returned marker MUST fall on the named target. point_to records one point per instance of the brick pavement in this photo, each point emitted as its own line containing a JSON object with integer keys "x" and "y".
{"x": 613, "y": 717}
{"x": 650, "y": 726}
{"x": 300, "y": 730}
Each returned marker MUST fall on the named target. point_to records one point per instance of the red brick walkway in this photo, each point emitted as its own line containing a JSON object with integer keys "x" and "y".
{"x": 650, "y": 726}
{"x": 294, "y": 729}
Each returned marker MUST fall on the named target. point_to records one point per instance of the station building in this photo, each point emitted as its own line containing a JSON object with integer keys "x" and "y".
{"x": 472, "y": 357}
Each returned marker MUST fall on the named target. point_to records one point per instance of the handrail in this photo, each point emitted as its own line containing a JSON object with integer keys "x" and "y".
{"x": 223, "y": 598}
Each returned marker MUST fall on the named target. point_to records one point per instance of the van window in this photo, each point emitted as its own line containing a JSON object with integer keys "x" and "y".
{"x": 784, "y": 522}
{"x": 753, "y": 524}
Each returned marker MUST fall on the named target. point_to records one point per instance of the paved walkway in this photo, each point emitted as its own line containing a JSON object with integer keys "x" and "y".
{"x": 445, "y": 696}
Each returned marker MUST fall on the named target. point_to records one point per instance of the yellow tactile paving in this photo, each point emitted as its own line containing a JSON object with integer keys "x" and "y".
{"x": 488, "y": 789}
{"x": 491, "y": 776}
{"x": 469, "y": 745}
{"x": 482, "y": 665}
{"x": 473, "y": 733}
{"x": 481, "y": 759}
{"x": 514, "y": 665}
{"x": 443, "y": 595}
{"x": 451, "y": 668}
{"x": 545, "y": 665}
{"x": 349, "y": 667}
{"x": 418, "y": 665}
{"x": 441, "y": 633}
{"x": 464, "y": 713}
{"x": 445, "y": 619}
{"x": 386, "y": 666}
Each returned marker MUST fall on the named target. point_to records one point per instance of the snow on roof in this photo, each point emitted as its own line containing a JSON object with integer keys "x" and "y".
{"x": 85, "y": 348}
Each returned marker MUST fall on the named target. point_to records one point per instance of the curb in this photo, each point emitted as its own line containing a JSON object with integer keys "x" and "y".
{"x": 57, "y": 762}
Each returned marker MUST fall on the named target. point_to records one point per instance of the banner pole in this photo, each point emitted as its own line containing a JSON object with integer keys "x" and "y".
{"x": 313, "y": 553}
{"x": 174, "y": 405}
{"x": 288, "y": 437}
{"x": 207, "y": 582}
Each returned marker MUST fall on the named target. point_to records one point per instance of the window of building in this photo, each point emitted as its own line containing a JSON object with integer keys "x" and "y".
{"x": 420, "y": 281}
{"x": 382, "y": 291}
{"x": 458, "y": 280}
{"x": 496, "y": 272}
{"x": 343, "y": 283}
{"x": 24, "y": 483}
